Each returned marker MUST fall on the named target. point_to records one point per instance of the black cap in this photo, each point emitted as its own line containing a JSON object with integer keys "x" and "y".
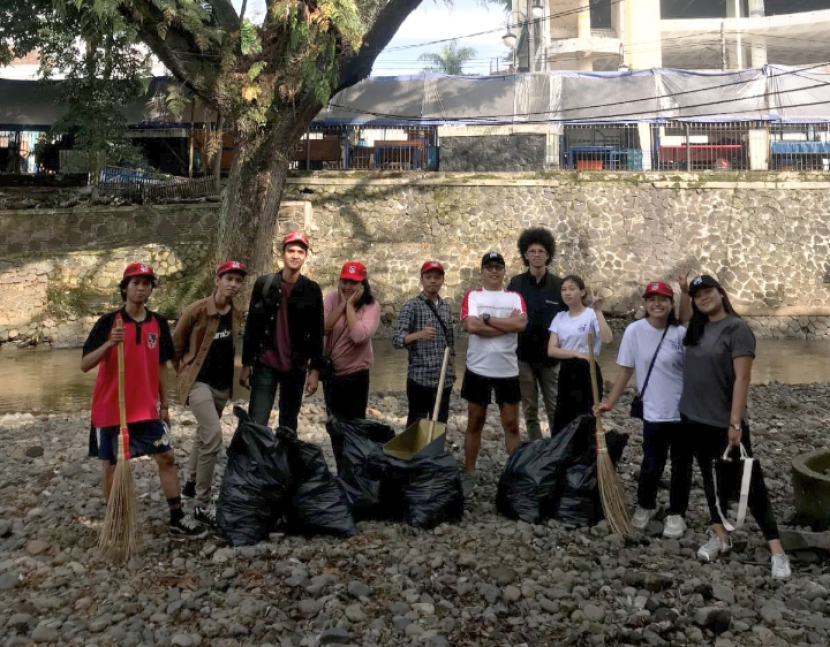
{"x": 492, "y": 257}
{"x": 701, "y": 282}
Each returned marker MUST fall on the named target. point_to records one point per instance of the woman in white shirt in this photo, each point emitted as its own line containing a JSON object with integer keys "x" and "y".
{"x": 653, "y": 349}
{"x": 569, "y": 344}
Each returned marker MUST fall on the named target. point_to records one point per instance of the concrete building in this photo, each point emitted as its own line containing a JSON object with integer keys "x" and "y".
{"x": 603, "y": 35}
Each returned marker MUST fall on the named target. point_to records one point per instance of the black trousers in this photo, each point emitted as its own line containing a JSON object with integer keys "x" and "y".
{"x": 264, "y": 383}
{"x": 660, "y": 438}
{"x": 574, "y": 396}
{"x": 347, "y": 397}
{"x": 709, "y": 444}
{"x": 422, "y": 402}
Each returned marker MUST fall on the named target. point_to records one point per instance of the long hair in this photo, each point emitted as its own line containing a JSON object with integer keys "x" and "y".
{"x": 697, "y": 324}
{"x": 573, "y": 278}
{"x": 366, "y": 298}
{"x": 536, "y": 236}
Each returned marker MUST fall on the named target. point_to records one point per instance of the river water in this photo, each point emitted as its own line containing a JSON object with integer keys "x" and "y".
{"x": 51, "y": 380}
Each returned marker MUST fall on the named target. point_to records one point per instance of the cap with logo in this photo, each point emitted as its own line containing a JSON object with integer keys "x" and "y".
{"x": 702, "y": 282}
{"x": 658, "y": 287}
{"x": 492, "y": 257}
{"x": 432, "y": 266}
{"x": 353, "y": 271}
{"x": 231, "y": 266}
{"x": 295, "y": 237}
{"x": 139, "y": 269}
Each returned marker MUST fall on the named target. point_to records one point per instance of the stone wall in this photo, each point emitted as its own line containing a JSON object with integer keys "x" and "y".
{"x": 768, "y": 242}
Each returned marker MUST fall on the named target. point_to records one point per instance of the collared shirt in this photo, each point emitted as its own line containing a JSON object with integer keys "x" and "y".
{"x": 544, "y": 301}
{"x": 426, "y": 357}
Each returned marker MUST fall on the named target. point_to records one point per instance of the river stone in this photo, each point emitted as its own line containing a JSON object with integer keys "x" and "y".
{"x": 334, "y": 636}
{"x": 359, "y": 589}
{"x": 723, "y": 593}
{"x": 715, "y": 619}
{"x": 8, "y": 581}
{"x": 593, "y": 613}
{"x": 45, "y": 634}
{"x": 309, "y": 608}
{"x": 35, "y": 451}
{"x": 36, "y": 547}
{"x": 354, "y": 612}
{"x": 5, "y": 528}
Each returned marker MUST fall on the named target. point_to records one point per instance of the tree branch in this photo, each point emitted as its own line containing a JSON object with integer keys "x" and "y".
{"x": 225, "y": 14}
{"x": 386, "y": 24}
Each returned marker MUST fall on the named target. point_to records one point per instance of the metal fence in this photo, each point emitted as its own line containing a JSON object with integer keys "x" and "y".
{"x": 689, "y": 146}
{"x": 145, "y": 186}
{"x": 399, "y": 149}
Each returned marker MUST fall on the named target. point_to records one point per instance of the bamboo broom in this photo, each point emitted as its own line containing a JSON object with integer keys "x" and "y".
{"x": 120, "y": 537}
{"x": 611, "y": 489}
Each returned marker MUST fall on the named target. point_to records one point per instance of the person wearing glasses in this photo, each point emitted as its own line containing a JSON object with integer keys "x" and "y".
{"x": 493, "y": 317}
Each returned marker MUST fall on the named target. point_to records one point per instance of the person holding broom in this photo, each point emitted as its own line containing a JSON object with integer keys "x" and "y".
{"x": 569, "y": 344}
{"x": 147, "y": 349}
{"x": 720, "y": 349}
{"x": 204, "y": 344}
{"x": 652, "y": 348}
{"x": 424, "y": 328}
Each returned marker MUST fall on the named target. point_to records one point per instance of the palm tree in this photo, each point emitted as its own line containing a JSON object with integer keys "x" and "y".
{"x": 450, "y": 60}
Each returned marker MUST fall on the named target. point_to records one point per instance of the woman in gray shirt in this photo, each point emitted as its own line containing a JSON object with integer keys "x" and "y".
{"x": 720, "y": 348}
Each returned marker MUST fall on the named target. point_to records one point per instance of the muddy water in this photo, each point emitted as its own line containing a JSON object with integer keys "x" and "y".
{"x": 44, "y": 380}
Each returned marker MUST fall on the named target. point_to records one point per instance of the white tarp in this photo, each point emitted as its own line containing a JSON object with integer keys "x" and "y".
{"x": 771, "y": 93}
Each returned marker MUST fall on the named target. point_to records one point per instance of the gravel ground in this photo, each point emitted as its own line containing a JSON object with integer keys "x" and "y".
{"x": 486, "y": 581}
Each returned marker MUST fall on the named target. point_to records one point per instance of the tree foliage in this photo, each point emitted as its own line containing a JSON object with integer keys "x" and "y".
{"x": 450, "y": 60}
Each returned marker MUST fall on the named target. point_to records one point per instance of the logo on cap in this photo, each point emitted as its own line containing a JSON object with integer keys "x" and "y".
{"x": 144, "y": 268}
{"x": 654, "y": 286}
{"x": 351, "y": 269}
{"x": 697, "y": 280}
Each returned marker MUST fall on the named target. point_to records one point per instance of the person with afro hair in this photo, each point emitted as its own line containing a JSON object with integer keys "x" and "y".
{"x": 541, "y": 291}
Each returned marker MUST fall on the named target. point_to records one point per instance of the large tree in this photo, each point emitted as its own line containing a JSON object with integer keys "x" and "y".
{"x": 267, "y": 80}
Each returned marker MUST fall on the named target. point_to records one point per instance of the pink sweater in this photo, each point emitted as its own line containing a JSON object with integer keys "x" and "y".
{"x": 352, "y": 350}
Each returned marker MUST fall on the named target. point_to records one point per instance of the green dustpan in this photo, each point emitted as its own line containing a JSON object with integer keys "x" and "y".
{"x": 425, "y": 437}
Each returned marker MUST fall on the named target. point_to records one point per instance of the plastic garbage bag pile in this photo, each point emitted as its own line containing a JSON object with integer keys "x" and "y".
{"x": 557, "y": 477}
{"x": 274, "y": 481}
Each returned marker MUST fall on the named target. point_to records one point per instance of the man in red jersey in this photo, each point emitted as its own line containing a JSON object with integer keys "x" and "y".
{"x": 148, "y": 347}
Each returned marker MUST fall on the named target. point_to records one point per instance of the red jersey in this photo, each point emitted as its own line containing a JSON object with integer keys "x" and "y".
{"x": 147, "y": 345}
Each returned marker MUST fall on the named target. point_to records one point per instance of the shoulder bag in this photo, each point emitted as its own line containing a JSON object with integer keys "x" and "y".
{"x": 636, "y": 410}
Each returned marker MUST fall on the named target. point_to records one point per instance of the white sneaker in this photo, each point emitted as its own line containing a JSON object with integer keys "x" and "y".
{"x": 714, "y": 548}
{"x": 675, "y": 527}
{"x": 781, "y": 567}
{"x": 641, "y": 518}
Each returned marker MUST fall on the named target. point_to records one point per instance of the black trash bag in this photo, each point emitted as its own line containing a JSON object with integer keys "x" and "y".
{"x": 579, "y": 501}
{"x": 257, "y": 484}
{"x": 319, "y": 504}
{"x": 533, "y": 474}
{"x": 431, "y": 487}
{"x": 363, "y": 468}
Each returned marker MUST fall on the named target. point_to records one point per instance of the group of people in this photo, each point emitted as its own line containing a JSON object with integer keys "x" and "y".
{"x": 692, "y": 370}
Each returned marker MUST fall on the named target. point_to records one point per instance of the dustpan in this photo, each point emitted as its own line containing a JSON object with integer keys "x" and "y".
{"x": 425, "y": 437}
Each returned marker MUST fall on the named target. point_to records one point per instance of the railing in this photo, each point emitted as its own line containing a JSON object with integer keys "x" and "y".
{"x": 145, "y": 186}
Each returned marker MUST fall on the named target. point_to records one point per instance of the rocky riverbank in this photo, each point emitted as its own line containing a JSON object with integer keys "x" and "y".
{"x": 487, "y": 581}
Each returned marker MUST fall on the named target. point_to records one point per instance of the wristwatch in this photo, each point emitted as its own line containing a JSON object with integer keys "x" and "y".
{"x": 486, "y": 318}
{"x": 736, "y": 427}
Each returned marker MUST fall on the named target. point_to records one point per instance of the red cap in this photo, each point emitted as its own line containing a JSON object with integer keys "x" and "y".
{"x": 432, "y": 266}
{"x": 295, "y": 237}
{"x": 231, "y": 266}
{"x": 139, "y": 269}
{"x": 658, "y": 287}
{"x": 353, "y": 271}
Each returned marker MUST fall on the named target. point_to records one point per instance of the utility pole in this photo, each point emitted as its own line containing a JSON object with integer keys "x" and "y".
{"x": 723, "y": 46}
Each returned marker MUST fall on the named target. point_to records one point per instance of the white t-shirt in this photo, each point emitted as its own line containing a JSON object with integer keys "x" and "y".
{"x": 492, "y": 356}
{"x": 640, "y": 339}
{"x": 573, "y": 331}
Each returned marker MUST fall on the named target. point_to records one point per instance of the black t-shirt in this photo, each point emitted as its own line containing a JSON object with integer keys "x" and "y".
{"x": 543, "y": 300}
{"x": 217, "y": 371}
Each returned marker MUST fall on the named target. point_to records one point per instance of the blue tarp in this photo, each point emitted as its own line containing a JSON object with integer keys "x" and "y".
{"x": 787, "y": 148}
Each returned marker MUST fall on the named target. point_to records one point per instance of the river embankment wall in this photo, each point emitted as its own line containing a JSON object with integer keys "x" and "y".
{"x": 768, "y": 242}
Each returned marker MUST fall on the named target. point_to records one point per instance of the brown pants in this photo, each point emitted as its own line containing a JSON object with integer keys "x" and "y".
{"x": 207, "y": 404}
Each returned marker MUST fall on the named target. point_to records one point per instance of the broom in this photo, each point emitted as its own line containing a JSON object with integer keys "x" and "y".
{"x": 120, "y": 537}
{"x": 611, "y": 490}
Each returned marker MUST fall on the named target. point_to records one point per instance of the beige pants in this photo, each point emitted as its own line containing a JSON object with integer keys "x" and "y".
{"x": 207, "y": 404}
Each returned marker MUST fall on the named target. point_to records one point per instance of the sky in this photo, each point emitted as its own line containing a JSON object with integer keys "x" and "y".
{"x": 432, "y": 21}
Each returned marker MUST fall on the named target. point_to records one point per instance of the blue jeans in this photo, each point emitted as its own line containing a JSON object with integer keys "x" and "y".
{"x": 264, "y": 383}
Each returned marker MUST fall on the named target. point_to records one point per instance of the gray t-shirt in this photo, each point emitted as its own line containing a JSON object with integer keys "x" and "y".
{"x": 708, "y": 374}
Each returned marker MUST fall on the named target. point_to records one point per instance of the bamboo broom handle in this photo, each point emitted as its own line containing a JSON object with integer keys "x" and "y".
{"x": 595, "y": 391}
{"x": 122, "y": 400}
{"x": 439, "y": 396}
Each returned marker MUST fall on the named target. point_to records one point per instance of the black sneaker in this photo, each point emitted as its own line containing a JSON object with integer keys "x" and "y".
{"x": 205, "y": 516}
{"x": 187, "y": 528}
{"x": 189, "y": 489}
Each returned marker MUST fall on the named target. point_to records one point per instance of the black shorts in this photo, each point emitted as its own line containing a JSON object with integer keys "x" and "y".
{"x": 477, "y": 389}
{"x": 146, "y": 438}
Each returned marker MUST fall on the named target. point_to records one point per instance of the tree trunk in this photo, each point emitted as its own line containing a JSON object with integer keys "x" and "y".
{"x": 250, "y": 206}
